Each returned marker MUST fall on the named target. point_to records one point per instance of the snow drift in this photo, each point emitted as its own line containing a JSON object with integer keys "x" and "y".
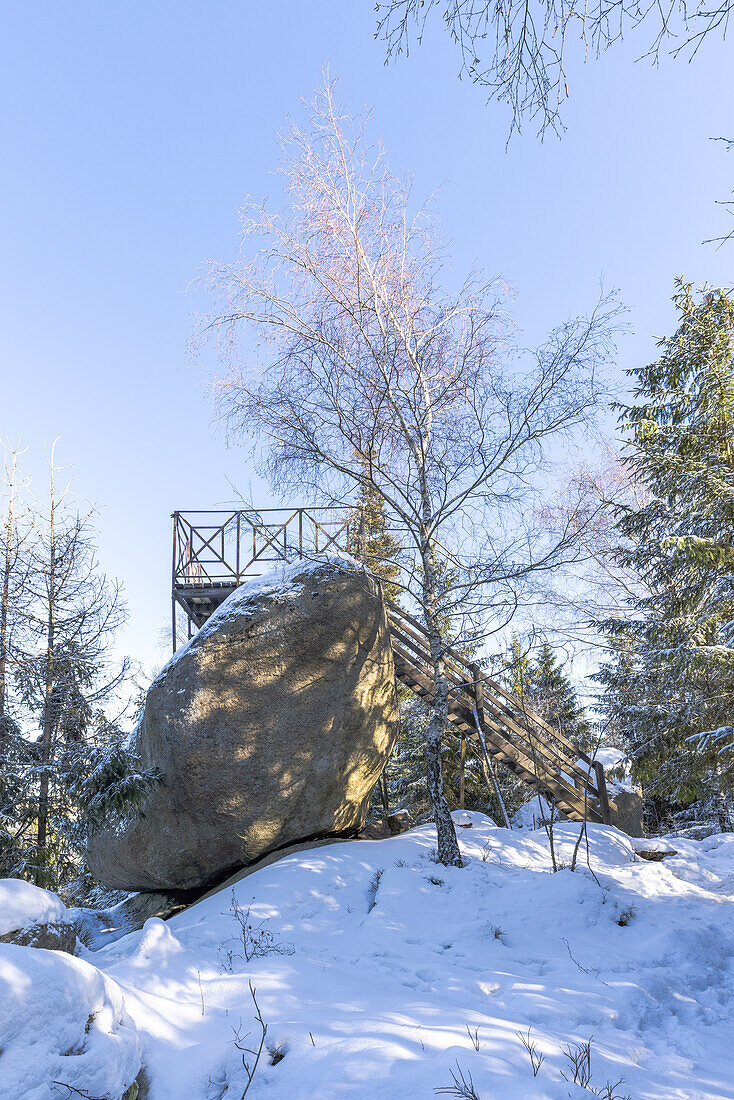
{"x": 380, "y": 973}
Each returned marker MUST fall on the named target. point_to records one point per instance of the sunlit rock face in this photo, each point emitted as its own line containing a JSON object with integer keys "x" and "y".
{"x": 271, "y": 726}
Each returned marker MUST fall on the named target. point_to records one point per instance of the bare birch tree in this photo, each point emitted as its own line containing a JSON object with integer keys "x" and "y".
{"x": 366, "y": 373}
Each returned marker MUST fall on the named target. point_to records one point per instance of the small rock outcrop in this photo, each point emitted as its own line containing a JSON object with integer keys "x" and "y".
{"x": 98, "y": 927}
{"x": 52, "y": 937}
{"x": 32, "y": 917}
{"x": 387, "y": 825}
{"x": 270, "y": 726}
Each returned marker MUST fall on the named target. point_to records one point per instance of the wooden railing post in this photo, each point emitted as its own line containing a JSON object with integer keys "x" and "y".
{"x": 476, "y": 676}
{"x": 601, "y": 786}
{"x": 174, "y": 517}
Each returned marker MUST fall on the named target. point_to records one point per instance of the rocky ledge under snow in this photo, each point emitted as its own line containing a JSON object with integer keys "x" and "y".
{"x": 32, "y": 917}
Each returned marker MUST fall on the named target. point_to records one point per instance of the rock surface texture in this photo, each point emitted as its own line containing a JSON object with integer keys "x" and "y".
{"x": 270, "y": 726}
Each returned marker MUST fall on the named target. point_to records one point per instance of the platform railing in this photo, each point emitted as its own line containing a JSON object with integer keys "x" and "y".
{"x": 214, "y": 547}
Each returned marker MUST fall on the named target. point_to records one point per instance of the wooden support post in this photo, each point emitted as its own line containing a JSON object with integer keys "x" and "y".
{"x": 237, "y": 563}
{"x": 463, "y": 767}
{"x": 476, "y": 675}
{"x": 601, "y": 786}
{"x": 174, "y": 517}
{"x": 486, "y": 763}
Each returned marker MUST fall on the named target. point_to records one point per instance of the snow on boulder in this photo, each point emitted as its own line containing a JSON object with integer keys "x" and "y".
{"x": 533, "y": 813}
{"x": 271, "y": 726}
{"x": 62, "y": 1021}
{"x": 33, "y": 917}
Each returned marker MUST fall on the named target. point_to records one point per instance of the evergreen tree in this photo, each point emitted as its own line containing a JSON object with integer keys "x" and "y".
{"x": 516, "y": 668}
{"x": 405, "y": 772}
{"x": 546, "y": 689}
{"x": 64, "y": 763}
{"x": 552, "y": 695}
{"x": 669, "y": 684}
{"x": 379, "y": 548}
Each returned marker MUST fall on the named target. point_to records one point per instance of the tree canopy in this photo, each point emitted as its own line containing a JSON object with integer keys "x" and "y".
{"x": 519, "y": 50}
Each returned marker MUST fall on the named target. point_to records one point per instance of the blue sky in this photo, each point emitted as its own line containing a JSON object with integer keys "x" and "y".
{"x": 130, "y": 133}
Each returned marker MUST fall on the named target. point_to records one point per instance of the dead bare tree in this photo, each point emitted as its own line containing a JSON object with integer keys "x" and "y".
{"x": 65, "y": 673}
{"x": 16, "y": 753}
{"x": 518, "y": 49}
{"x": 728, "y": 204}
{"x": 368, "y": 374}
{"x": 13, "y": 568}
{"x": 598, "y": 584}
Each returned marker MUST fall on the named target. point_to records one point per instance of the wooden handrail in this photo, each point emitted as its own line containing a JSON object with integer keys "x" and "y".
{"x": 399, "y": 613}
{"x": 514, "y": 733}
{"x": 518, "y": 712}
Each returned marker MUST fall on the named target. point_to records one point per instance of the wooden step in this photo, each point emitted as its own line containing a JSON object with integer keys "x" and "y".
{"x": 529, "y": 757}
{"x": 511, "y": 734}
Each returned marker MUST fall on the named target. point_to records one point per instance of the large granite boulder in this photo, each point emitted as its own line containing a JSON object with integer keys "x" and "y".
{"x": 270, "y": 726}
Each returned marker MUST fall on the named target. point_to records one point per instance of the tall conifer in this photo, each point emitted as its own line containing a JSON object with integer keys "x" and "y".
{"x": 669, "y": 685}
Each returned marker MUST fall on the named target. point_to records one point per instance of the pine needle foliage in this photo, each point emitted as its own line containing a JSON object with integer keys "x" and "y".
{"x": 546, "y": 688}
{"x": 380, "y": 549}
{"x": 669, "y": 685}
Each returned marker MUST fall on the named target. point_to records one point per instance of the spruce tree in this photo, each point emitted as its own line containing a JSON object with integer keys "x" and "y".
{"x": 380, "y": 549}
{"x": 669, "y": 684}
{"x": 65, "y": 767}
{"x": 552, "y": 695}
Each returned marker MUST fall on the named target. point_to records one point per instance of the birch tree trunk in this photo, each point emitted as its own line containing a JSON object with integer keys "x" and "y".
{"x": 448, "y": 845}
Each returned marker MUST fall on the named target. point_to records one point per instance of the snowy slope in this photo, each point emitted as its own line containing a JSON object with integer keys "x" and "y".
{"x": 61, "y": 1020}
{"x": 376, "y": 999}
{"x": 374, "y": 991}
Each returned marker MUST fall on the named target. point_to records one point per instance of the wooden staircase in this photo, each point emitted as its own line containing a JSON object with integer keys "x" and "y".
{"x": 503, "y": 726}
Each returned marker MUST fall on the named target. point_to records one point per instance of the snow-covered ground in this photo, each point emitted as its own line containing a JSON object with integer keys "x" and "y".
{"x": 391, "y": 969}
